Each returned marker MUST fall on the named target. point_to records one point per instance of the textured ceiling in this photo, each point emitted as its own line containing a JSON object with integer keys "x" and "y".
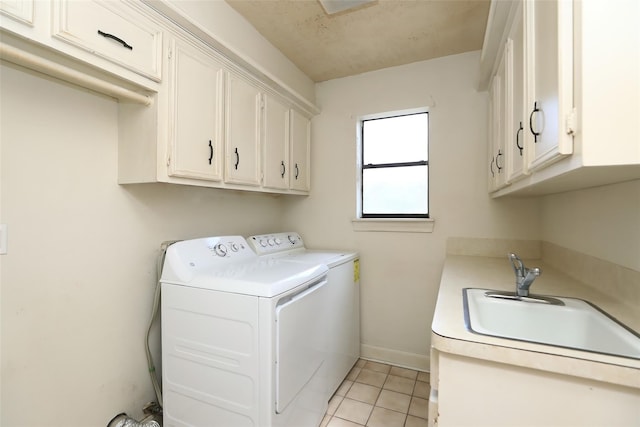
{"x": 378, "y": 35}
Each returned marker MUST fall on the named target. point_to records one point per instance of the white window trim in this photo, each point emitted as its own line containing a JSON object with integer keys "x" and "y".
{"x": 397, "y": 225}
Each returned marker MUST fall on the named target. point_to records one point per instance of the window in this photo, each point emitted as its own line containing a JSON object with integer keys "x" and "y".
{"x": 394, "y": 166}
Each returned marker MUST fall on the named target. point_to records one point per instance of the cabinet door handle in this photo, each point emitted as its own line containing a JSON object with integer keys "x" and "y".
{"x": 535, "y": 134}
{"x": 118, "y": 39}
{"x": 498, "y": 165}
{"x": 210, "y": 152}
{"x": 237, "y": 159}
{"x": 297, "y": 171}
{"x": 493, "y": 174}
{"x": 518, "y": 139}
{"x": 282, "y": 169}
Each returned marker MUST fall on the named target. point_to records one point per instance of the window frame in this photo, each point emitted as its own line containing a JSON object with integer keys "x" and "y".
{"x": 362, "y": 167}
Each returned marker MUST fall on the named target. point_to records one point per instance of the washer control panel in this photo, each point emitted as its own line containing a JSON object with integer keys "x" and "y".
{"x": 276, "y": 242}
{"x": 226, "y": 246}
{"x": 186, "y": 258}
{"x": 212, "y": 250}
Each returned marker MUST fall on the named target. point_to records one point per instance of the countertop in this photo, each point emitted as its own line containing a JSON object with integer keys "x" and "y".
{"x": 450, "y": 335}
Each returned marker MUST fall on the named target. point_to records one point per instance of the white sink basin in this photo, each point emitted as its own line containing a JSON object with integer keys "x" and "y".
{"x": 576, "y": 324}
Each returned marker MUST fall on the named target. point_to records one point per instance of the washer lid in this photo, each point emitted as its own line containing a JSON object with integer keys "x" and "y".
{"x": 228, "y": 264}
{"x": 264, "y": 278}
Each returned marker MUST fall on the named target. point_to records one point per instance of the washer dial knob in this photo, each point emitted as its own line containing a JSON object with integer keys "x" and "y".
{"x": 220, "y": 250}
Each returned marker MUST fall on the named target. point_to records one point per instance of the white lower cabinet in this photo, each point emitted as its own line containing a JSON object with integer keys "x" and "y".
{"x": 478, "y": 392}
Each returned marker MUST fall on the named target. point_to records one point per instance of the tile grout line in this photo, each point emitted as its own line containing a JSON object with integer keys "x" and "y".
{"x": 379, "y": 393}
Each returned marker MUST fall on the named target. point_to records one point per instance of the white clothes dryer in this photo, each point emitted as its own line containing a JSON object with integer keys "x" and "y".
{"x": 242, "y": 344}
{"x": 343, "y": 322}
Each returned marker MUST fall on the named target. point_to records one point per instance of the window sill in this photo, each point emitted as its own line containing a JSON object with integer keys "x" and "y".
{"x": 394, "y": 225}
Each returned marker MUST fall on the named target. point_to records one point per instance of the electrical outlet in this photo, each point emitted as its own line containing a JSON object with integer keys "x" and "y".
{"x": 3, "y": 239}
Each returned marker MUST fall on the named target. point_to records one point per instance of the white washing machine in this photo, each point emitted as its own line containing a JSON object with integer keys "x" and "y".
{"x": 343, "y": 323}
{"x": 243, "y": 337}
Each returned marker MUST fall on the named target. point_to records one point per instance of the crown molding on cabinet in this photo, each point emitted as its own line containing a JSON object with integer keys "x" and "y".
{"x": 239, "y": 63}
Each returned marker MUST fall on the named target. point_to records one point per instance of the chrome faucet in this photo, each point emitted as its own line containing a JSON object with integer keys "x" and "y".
{"x": 524, "y": 276}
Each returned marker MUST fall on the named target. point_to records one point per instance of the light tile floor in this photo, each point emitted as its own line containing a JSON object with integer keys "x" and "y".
{"x": 380, "y": 395}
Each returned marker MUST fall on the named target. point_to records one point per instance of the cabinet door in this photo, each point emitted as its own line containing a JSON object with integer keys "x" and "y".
{"x": 492, "y": 131}
{"x": 514, "y": 141}
{"x": 196, "y": 87}
{"x": 242, "y": 132}
{"x": 300, "y": 128}
{"x": 549, "y": 44}
{"x": 498, "y": 111}
{"x": 276, "y": 143}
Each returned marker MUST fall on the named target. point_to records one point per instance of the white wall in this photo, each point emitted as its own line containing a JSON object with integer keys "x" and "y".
{"x": 78, "y": 279}
{"x": 603, "y": 222}
{"x": 400, "y": 272}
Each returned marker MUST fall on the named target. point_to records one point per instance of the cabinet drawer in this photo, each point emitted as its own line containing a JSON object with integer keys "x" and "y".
{"x": 112, "y": 31}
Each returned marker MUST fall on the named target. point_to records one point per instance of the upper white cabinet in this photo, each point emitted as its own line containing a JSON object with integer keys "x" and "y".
{"x": 115, "y": 41}
{"x": 276, "y": 165}
{"x": 109, "y": 30}
{"x": 498, "y": 104}
{"x": 548, "y": 26}
{"x": 191, "y": 110}
{"x": 515, "y": 119}
{"x": 196, "y": 96}
{"x": 300, "y": 129}
{"x": 572, "y": 93}
{"x": 213, "y": 126}
{"x": 286, "y": 147}
{"x": 243, "y": 122}
{"x": 607, "y": 78}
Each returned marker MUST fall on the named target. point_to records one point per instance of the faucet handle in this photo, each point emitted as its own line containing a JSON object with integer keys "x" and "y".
{"x": 535, "y": 271}
{"x": 517, "y": 264}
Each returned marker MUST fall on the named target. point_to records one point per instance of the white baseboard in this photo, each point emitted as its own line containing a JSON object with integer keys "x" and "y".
{"x": 403, "y": 359}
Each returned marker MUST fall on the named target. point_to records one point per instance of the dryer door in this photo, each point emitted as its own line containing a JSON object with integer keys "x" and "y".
{"x": 301, "y": 341}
